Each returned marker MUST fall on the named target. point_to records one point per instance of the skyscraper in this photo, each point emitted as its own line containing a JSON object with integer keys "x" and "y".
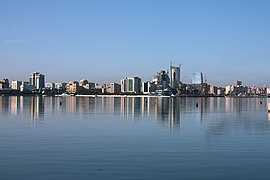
{"x": 163, "y": 80}
{"x": 38, "y": 80}
{"x": 197, "y": 78}
{"x": 131, "y": 84}
{"x": 174, "y": 76}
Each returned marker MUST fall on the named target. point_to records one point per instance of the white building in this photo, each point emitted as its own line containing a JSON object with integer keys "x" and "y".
{"x": 38, "y": 80}
{"x": 131, "y": 85}
{"x": 148, "y": 87}
{"x": 228, "y": 90}
{"x": 16, "y": 85}
{"x": 174, "y": 76}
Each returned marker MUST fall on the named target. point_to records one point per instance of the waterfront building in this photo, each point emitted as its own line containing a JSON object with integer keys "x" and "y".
{"x": 85, "y": 84}
{"x": 213, "y": 90}
{"x": 73, "y": 87}
{"x": 238, "y": 83}
{"x": 15, "y": 85}
{"x": 91, "y": 85}
{"x": 60, "y": 86}
{"x": 220, "y": 91}
{"x": 38, "y": 80}
{"x": 203, "y": 89}
{"x": 99, "y": 86}
{"x": 131, "y": 85}
{"x": 148, "y": 87}
{"x": 113, "y": 88}
{"x": 155, "y": 79}
{"x": 268, "y": 91}
{"x": 26, "y": 87}
{"x": 197, "y": 78}
{"x": 238, "y": 90}
{"x": 174, "y": 76}
{"x": 49, "y": 85}
{"x": 163, "y": 80}
{"x": 228, "y": 90}
{"x": 4, "y": 84}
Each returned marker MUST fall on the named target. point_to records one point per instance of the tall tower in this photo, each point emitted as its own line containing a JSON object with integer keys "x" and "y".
{"x": 37, "y": 79}
{"x": 174, "y": 76}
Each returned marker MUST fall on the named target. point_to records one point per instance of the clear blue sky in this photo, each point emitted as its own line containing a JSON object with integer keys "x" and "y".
{"x": 104, "y": 41}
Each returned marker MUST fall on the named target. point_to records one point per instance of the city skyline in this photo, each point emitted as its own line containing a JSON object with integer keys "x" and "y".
{"x": 105, "y": 41}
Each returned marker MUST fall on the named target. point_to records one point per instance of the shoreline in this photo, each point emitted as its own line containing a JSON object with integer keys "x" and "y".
{"x": 123, "y": 95}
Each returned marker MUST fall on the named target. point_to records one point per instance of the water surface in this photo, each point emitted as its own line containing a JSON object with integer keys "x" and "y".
{"x": 134, "y": 138}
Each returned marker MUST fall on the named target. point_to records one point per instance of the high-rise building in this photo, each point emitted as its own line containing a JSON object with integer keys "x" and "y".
{"x": 197, "y": 78}
{"x": 131, "y": 85}
{"x": 163, "y": 80}
{"x": 38, "y": 80}
{"x": 174, "y": 76}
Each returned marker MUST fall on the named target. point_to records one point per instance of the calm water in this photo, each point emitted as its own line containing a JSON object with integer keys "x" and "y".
{"x": 134, "y": 138}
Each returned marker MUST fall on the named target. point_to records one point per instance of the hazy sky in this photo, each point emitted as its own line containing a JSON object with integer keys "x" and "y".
{"x": 105, "y": 41}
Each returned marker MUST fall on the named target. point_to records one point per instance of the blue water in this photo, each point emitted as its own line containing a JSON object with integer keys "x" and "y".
{"x": 134, "y": 138}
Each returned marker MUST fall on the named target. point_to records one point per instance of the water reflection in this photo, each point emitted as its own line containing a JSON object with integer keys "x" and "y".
{"x": 167, "y": 111}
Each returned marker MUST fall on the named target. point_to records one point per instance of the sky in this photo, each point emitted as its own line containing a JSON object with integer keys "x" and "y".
{"x": 106, "y": 41}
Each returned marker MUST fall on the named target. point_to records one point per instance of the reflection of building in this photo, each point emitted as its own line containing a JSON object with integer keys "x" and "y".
{"x": 71, "y": 104}
{"x": 174, "y": 113}
{"x": 174, "y": 76}
{"x": 131, "y": 85}
{"x": 16, "y": 104}
{"x": 36, "y": 107}
{"x": 168, "y": 112}
{"x": 38, "y": 80}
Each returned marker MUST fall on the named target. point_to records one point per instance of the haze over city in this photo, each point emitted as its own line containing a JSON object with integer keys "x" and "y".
{"x": 105, "y": 41}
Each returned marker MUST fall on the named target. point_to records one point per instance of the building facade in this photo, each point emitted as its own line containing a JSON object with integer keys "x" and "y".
{"x": 4, "y": 84}
{"x": 131, "y": 85}
{"x": 163, "y": 80}
{"x": 15, "y": 85}
{"x": 148, "y": 87}
{"x": 49, "y": 85}
{"x": 174, "y": 76}
{"x": 73, "y": 87}
{"x": 38, "y": 80}
{"x": 26, "y": 87}
{"x": 114, "y": 88}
